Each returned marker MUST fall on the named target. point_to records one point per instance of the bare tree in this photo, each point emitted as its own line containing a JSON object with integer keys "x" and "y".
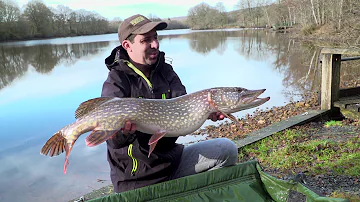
{"x": 202, "y": 16}
{"x": 245, "y": 16}
{"x": 341, "y": 2}
{"x": 63, "y": 15}
{"x": 9, "y": 17}
{"x": 40, "y": 17}
{"x": 264, "y": 4}
{"x": 153, "y": 17}
{"x": 9, "y": 11}
{"x": 222, "y": 20}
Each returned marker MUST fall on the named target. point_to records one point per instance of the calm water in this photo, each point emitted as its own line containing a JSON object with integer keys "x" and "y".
{"x": 42, "y": 82}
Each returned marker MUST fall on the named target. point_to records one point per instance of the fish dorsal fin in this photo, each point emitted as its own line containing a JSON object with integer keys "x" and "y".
{"x": 89, "y": 105}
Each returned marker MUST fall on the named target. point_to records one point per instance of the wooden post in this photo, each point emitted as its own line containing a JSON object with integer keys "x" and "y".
{"x": 330, "y": 80}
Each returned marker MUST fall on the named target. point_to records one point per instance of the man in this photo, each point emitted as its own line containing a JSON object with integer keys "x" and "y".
{"x": 138, "y": 69}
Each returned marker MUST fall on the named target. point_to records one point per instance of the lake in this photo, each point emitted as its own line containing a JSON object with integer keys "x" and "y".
{"x": 42, "y": 82}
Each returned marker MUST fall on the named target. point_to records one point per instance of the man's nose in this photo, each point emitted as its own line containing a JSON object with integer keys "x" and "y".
{"x": 155, "y": 44}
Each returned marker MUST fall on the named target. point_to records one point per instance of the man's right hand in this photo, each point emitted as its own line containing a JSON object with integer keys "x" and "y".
{"x": 129, "y": 128}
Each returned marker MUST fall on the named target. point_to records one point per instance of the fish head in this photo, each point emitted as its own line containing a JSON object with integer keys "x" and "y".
{"x": 234, "y": 99}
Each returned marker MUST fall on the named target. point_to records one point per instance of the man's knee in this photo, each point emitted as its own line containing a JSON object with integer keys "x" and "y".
{"x": 229, "y": 150}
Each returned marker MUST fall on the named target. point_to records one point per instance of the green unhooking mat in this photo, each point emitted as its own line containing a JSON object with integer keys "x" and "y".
{"x": 243, "y": 182}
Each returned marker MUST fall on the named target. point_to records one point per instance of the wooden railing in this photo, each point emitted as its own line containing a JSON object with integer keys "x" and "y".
{"x": 330, "y": 78}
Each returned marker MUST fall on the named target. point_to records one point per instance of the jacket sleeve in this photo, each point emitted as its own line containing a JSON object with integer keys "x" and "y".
{"x": 117, "y": 85}
{"x": 176, "y": 87}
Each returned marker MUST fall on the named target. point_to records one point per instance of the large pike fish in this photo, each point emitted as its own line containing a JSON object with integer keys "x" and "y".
{"x": 105, "y": 116}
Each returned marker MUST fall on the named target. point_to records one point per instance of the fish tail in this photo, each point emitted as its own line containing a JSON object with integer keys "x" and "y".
{"x": 55, "y": 145}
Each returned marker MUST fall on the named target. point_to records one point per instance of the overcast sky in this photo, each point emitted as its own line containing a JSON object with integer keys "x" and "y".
{"x": 121, "y": 8}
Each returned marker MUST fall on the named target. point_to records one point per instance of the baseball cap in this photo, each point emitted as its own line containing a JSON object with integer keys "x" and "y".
{"x": 138, "y": 24}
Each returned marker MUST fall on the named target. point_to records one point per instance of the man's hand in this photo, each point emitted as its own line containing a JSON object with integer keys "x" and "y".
{"x": 129, "y": 128}
{"x": 216, "y": 116}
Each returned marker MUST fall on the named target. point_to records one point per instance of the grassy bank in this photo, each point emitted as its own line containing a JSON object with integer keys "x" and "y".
{"x": 326, "y": 152}
{"x": 314, "y": 150}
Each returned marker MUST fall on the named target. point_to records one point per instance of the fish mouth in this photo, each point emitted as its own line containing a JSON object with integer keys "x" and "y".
{"x": 251, "y": 98}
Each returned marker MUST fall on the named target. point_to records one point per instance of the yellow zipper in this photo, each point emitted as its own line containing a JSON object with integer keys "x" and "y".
{"x": 134, "y": 160}
{"x": 136, "y": 70}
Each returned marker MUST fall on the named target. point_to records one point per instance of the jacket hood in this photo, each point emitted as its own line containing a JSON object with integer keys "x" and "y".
{"x": 119, "y": 53}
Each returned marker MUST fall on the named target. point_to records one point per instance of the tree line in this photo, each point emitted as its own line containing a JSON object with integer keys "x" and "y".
{"x": 37, "y": 20}
{"x": 40, "y": 21}
{"x": 336, "y": 16}
{"x": 261, "y": 13}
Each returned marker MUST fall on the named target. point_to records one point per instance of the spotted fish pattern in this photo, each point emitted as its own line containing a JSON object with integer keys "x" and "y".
{"x": 105, "y": 116}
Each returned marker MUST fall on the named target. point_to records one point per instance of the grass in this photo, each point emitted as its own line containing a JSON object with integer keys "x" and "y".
{"x": 351, "y": 197}
{"x": 333, "y": 123}
{"x": 294, "y": 151}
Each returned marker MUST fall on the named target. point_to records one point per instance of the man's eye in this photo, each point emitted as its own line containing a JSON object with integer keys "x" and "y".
{"x": 145, "y": 40}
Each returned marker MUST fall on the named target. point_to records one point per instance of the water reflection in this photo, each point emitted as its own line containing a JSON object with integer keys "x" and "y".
{"x": 16, "y": 60}
{"x": 204, "y": 42}
{"x": 299, "y": 63}
{"x": 301, "y": 73}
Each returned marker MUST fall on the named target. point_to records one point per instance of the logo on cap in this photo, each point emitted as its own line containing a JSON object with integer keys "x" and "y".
{"x": 137, "y": 20}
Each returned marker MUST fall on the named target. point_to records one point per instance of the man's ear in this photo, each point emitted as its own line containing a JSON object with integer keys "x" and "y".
{"x": 126, "y": 45}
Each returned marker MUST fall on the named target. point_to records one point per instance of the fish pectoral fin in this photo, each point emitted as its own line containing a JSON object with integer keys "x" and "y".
{"x": 231, "y": 117}
{"x": 99, "y": 136}
{"x": 152, "y": 147}
{"x": 154, "y": 139}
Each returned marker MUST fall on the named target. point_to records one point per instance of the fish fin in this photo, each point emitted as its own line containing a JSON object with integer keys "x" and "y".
{"x": 90, "y": 105}
{"x": 233, "y": 118}
{"x": 212, "y": 104}
{"x": 68, "y": 150}
{"x": 55, "y": 145}
{"x": 66, "y": 164}
{"x": 152, "y": 147}
{"x": 154, "y": 139}
{"x": 99, "y": 136}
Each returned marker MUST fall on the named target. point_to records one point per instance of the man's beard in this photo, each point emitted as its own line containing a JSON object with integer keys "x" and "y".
{"x": 149, "y": 60}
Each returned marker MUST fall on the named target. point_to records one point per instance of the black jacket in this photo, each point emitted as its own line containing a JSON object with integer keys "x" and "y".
{"x": 128, "y": 154}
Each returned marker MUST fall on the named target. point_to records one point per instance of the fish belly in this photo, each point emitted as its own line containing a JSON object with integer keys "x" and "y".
{"x": 172, "y": 129}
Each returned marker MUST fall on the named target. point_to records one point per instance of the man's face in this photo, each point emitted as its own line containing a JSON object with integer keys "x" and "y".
{"x": 145, "y": 48}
